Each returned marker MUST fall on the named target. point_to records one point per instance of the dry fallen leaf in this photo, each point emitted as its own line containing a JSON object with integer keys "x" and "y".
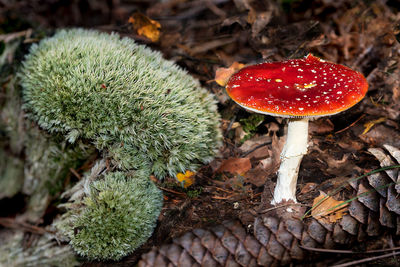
{"x": 222, "y": 75}
{"x": 328, "y": 210}
{"x": 320, "y": 127}
{"x": 380, "y": 135}
{"x": 257, "y": 176}
{"x": 186, "y": 179}
{"x": 145, "y": 26}
{"x": 254, "y": 142}
{"x": 235, "y": 165}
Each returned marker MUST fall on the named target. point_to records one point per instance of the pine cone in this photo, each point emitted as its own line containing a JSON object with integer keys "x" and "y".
{"x": 279, "y": 241}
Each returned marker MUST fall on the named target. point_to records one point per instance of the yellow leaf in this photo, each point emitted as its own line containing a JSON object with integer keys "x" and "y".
{"x": 187, "y": 179}
{"x": 370, "y": 124}
{"x": 222, "y": 75}
{"x": 328, "y": 210}
{"x": 145, "y": 26}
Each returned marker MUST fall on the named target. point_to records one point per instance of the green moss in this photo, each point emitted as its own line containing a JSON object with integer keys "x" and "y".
{"x": 124, "y": 97}
{"x": 194, "y": 193}
{"x": 250, "y": 125}
{"x": 117, "y": 216}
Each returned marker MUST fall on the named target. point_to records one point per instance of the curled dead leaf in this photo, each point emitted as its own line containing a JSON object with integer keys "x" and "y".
{"x": 222, "y": 75}
{"x": 327, "y": 209}
{"x": 145, "y": 26}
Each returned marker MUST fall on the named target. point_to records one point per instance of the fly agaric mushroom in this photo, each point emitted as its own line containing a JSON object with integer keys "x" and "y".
{"x": 298, "y": 89}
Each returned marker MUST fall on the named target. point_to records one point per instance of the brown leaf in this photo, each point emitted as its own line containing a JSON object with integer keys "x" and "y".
{"x": 327, "y": 211}
{"x": 235, "y": 165}
{"x": 222, "y": 75}
{"x": 381, "y": 134}
{"x": 257, "y": 147}
{"x": 323, "y": 126}
{"x": 268, "y": 166}
{"x": 257, "y": 176}
{"x": 339, "y": 166}
{"x": 145, "y": 26}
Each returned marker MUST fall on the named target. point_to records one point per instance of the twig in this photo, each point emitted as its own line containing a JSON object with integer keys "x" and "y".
{"x": 257, "y": 147}
{"x": 351, "y": 125}
{"x": 75, "y": 173}
{"x": 324, "y": 250}
{"x": 350, "y": 263}
{"x": 14, "y": 35}
{"x": 230, "y": 125}
{"x": 222, "y": 198}
{"x": 224, "y": 190}
{"x": 15, "y": 224}
{"x": 281, "y": 206}
{"x": 172, "y": 191}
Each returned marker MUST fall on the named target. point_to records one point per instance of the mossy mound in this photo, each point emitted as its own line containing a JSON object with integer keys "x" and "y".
{"x": 123, "y": 97}
{"x": 117, "y": 216}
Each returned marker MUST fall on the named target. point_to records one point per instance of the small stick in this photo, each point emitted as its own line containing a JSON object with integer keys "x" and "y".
{"x": 353, "y": 263}
{"x": 348, "y": 251}
{"x": 351, "y": 125}
{"x": 75, "y": 173}
{"x": 257, "y": 147}
{"x": 14, "y": 224}
{"x": 221, "y": 198}
{"x": 172, "y": 191}
{"x": 281, "y": 206}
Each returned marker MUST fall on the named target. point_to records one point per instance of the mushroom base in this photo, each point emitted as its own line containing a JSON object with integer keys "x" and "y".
{"x": 292, "y": 154}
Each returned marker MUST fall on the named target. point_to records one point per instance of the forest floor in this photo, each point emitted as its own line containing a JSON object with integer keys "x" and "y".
{"x": 207, "y": 35}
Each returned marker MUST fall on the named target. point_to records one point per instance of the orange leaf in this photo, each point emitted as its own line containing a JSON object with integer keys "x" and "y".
{"x": 145, "y": 26}
{"x": 328, "y": 210}
{"x": 186, "y": 179}
{"x": 222, "y": 75}
{"x": 235, "y": 165}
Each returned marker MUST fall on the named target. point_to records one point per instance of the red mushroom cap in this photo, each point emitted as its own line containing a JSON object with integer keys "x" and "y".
{"x": 308, "y": 87}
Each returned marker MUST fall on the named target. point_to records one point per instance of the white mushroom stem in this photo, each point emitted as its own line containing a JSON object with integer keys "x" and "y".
{"x": 293, "y": 151}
